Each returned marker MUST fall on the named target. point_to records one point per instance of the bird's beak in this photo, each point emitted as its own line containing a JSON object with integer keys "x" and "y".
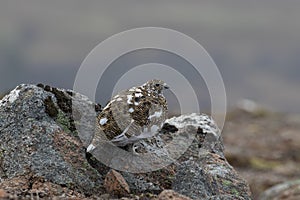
{"x": 166, "y": 86}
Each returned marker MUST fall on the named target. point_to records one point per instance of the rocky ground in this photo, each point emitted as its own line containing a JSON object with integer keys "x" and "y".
{"x": 42, "y": 156}
{"x": 264, "y": 147}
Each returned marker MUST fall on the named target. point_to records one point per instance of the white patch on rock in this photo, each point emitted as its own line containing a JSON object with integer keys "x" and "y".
{"x": 203, "y": 121}
{"x": 11, "y": 97}
{"x": 103, "y": 121}
{"x": 185, "y": 120}
{"x": 129, "y": 99}
{"x": 138, "y": 90}
{"x": 131, "y": 110}
{"x": 119, "y": 99}
{"x": 136, "y": 103}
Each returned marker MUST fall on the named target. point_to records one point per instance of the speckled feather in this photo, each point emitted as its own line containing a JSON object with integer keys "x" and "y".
{"x": 133, "y": 114}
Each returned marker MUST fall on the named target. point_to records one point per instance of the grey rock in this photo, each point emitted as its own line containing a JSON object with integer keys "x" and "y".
{"x": 32, "y": 142}
{"x": 210, "y": 177}
{"x": 138, "y": 183}
{"x": 44, "y": 132}
{"x": 202, "y": 172}
{"x": 198, "y": 134}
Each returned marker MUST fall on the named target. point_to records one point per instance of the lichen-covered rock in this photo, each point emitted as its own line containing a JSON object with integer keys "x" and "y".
{"x": 139, "y": 184}
{"x": 38, "y": 138}
{"x": 202, "y": 172}
{"x": 43, "y": 154}
{"x": 209, "y": 177}
{"x": 196, "y": 134}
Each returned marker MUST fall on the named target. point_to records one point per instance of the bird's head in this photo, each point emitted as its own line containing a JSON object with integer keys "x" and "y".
{"x": 156, "y": 86}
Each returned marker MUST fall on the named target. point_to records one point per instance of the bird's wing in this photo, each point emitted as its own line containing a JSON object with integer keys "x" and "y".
{"x": 141, "y": 111}
{"x": 157, "y": 114}
{"x": 116, "y": 116}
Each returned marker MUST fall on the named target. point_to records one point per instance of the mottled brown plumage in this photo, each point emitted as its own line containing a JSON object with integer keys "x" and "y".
{"x": 133, "y": 114}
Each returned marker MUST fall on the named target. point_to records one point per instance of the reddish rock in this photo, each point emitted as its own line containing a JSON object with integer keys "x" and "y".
{"x": 115, "y": 184}
{"x": 170, "y": 194}
{"x": 3, "y": 194}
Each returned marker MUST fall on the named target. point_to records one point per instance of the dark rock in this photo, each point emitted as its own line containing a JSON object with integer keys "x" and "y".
{"x": 47, "y": 88}
{"x": 138, "y": 183}
{"x": 40, "y": 85}
{"x": 98, "y": 108}
{"x": 35, "y": 142}
{"x": 167, "y": 128}
{"x": 50, "y": 107}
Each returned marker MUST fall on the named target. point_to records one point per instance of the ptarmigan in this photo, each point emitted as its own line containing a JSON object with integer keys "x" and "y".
{"x": 132, "y": 115}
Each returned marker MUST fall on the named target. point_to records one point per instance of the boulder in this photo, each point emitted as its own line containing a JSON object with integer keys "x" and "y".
{"x": 115, "y": 184}
{"x": 42, "y": 153}
{"x": 39, "y": 144}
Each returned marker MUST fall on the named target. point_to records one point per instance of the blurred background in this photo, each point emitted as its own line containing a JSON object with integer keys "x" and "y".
{"x": 255, "y": 44}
